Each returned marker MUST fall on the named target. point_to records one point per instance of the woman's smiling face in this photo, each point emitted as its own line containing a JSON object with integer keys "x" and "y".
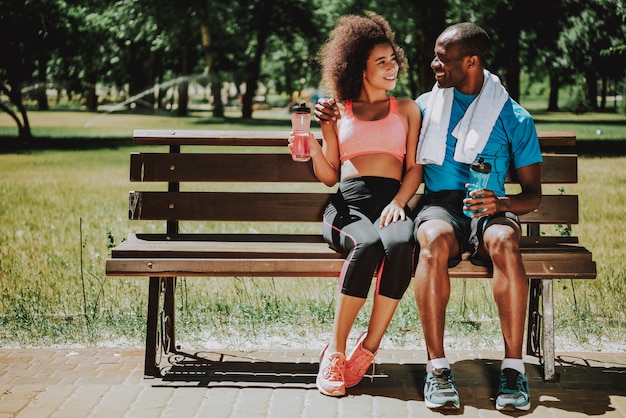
{"x": 382, "y": 68}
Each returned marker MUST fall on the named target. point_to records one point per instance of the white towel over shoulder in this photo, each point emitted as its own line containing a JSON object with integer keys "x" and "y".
{"x": 473, "y": 130}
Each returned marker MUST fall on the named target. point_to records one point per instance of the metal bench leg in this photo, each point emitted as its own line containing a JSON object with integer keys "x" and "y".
{"x": 533, "y": 335}
{"x": 151, "y": 369}
{"x": 169, "y": 335}
{"x": 549, "y": 372}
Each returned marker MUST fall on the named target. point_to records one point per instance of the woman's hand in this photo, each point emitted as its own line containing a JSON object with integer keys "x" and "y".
{"x": 314, "y": 145}
{"x": 392, "y": 213}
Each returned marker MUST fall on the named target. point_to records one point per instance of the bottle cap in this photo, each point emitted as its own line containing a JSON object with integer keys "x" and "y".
{"x": 300, "y": 108}
{"x": 481, "y": 166}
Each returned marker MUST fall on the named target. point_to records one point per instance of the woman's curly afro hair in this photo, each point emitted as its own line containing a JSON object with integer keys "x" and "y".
{"x": 343, "y": 57}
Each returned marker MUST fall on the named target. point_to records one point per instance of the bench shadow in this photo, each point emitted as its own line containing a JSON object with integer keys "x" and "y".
{"x": 583, "y": 386}
{"x": 211, "y": 369}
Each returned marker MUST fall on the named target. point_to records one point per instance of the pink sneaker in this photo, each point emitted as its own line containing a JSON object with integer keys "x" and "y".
{"x": 358, "y": 362}
{"x": 330, "y": 376}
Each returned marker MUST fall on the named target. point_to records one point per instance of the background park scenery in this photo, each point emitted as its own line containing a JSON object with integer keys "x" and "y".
{"x": 80, "y": 76}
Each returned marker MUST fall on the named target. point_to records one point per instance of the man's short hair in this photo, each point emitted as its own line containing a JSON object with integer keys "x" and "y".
{"x": 472, "y": 39}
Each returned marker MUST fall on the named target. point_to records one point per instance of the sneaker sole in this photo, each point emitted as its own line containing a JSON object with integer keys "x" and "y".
{"x": 447, "y": 405}
{"x": 335, "y": 393}
{"x": 511, "y": 408}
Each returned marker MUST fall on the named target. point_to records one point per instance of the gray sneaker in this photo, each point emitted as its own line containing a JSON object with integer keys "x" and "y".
{"x": 513, "y": 393}
{"x": 439, "y": 390}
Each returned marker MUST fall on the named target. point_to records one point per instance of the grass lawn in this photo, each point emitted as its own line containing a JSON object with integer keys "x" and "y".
{"x": 116, "y": 125}
{"x": 78, "y": 124}
{"x": 63, "y": 208}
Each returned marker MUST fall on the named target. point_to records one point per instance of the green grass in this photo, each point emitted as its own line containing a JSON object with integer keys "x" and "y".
{"x": 87, "y": 125}
{"x": 61, "y": 209}
{"x": 590, "y": 126}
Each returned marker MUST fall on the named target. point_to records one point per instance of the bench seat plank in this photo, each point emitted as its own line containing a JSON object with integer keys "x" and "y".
{"x": 146, "y": 238}
{"x": 136, "y": 257}
{"x": 288, "y": 248}
{"x": 568, "y": 267}
{"x": 195, "y": 249}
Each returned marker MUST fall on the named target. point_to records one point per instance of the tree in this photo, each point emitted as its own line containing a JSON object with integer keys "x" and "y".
{"x": 29, "y": 30}
{"x": 279, "y": 17}
{"x": 209, "y": 15}
{"x": 505, "y": 27}
{"x": 137, "y": 41}
{"x": 614, "y": 59}
{"x": 541, "y": 56}
{"x": 597, "y": 25}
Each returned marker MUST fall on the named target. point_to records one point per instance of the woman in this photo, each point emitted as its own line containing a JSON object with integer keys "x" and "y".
{"x": 370, "y": 149}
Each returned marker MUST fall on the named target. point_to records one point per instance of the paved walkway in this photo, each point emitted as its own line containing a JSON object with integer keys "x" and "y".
{"x": 109, "y": 383}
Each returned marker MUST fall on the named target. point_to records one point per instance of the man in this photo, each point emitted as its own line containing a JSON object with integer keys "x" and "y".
{"x": 468, "y": 114}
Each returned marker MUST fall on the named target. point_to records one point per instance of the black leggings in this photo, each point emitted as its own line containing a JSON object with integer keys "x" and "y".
{"x": 352, "y": 227}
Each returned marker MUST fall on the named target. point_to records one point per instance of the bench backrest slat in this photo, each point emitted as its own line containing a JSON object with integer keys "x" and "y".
{"x": 198, "y": 167}
{"x": 212, "y": 137}
{"x": 227, "y": 206}
{"x": 219, "y": 168}
{"x": 287, "y": 207}
{"x": 553, "y": 138}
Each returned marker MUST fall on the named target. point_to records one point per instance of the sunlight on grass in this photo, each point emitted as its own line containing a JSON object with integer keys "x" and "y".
{"x": 61, "y": 208}
{"x": 75, "y": 124}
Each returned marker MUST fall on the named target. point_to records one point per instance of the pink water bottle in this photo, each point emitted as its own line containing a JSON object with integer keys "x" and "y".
{"x": 301, "y": 126}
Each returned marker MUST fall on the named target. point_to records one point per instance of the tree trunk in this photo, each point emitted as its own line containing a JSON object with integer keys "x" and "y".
{"x": 14, "y": 92}
{"x": 91, "y": 99}
{"x": 216, "y": 85}
{"x": 512, "y": 67}
{"x": 40, "y": 91}
{"x": 141, "y": 85}
{"x": 216, "y": 92}
{"x": 254, "y": 69}
{"x": 553, "y": 100}
{"x": 603, "y": 93}
{"x": 432, "y": 24}
{"x": 183, "y": 85}
{"x": 183, "y": 98}
{"x": 150, "y": 97}
{"x": 592, "y": 90}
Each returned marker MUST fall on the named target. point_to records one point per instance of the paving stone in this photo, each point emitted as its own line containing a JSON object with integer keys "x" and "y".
{"x": 46, "y": 403}
{"x": 108, "y": 382}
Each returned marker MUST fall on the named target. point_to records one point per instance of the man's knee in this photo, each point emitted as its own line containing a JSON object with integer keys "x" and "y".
{"x": 435, "y": 237}
{"x": 501, "y": 239}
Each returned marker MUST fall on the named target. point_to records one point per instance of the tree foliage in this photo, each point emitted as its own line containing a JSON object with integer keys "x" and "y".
{"x": 140, "y": 47}
{"x": 30, "y": 31}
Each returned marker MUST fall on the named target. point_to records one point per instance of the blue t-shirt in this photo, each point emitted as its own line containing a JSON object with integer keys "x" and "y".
{"x": 512, "y": 140}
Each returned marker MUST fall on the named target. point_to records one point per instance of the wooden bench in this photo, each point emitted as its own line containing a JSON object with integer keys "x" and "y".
{"x": 260, "y": 158}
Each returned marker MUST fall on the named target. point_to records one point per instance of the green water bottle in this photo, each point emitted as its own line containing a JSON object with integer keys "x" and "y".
{"x": 478, "y": 179}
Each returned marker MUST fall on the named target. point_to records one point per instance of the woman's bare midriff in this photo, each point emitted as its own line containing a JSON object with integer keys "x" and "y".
{"x": 375, "y": 165}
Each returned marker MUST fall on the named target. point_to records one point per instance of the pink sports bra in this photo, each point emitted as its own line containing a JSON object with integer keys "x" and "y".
{"x": 358, "y": 137}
